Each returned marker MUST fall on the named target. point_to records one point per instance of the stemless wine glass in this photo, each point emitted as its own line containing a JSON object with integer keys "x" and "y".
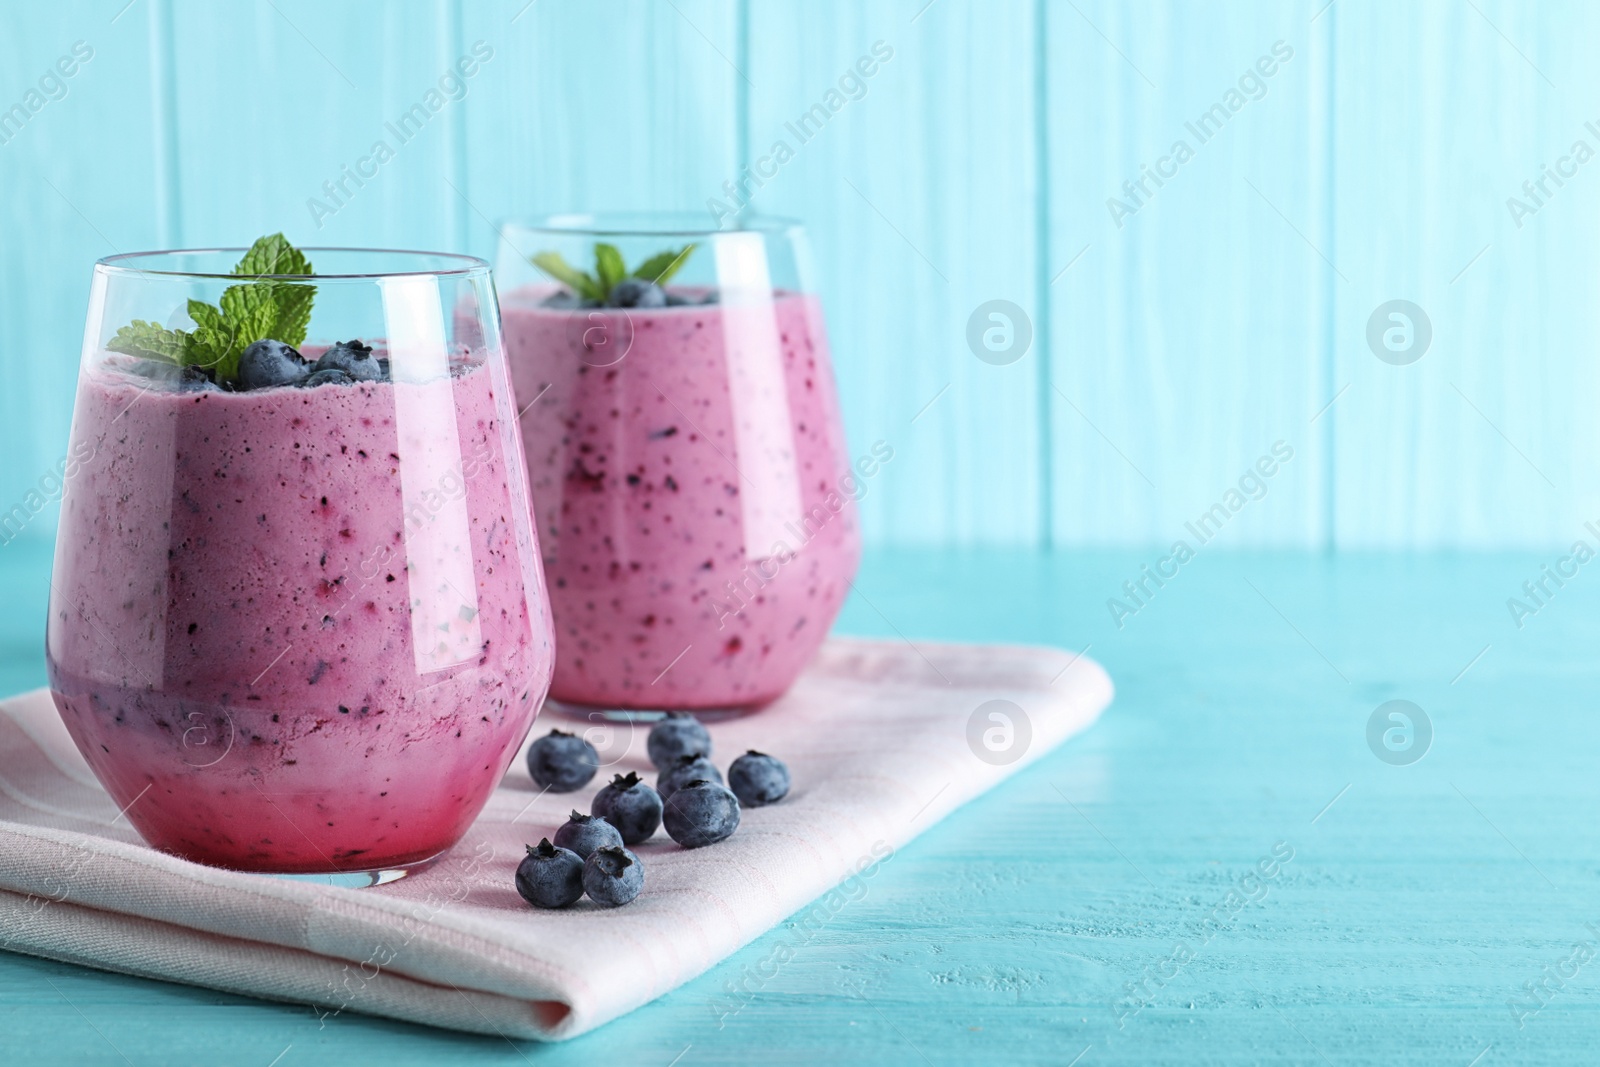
{"x": 687, "y": 457}
{"x": 297, "y": 626}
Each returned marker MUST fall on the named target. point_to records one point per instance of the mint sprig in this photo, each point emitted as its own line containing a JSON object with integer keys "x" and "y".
{"x": 251, "y": 311}
{"x": 609, "y": 269}
{"x": 608, "y": 265}
{"x": 273, "y": 255}
{"x": 555, "y": 265}
{"x": 151, "y": 340}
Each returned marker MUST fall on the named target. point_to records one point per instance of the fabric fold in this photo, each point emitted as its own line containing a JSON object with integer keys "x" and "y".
{"x": 883, "y": 739}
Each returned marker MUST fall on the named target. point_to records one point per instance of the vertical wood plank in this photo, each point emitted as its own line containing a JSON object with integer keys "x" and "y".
{"x": 1189, "y": 325}
{"x": 1181, "y": 344}
{"x": 275, "y": 100}
{"x": 77, "y": 182}
{"x": 920, "y": 197}
{"x": 1488, "y": 438}
{"x": 619, "y": 105}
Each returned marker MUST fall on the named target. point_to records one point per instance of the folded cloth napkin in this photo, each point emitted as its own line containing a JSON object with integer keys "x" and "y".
{"x": 882, "y": 740}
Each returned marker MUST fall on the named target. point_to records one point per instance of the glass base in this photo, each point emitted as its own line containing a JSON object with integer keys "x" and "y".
{"x": 606, "y": 713}
{"x": 357, "y": 879}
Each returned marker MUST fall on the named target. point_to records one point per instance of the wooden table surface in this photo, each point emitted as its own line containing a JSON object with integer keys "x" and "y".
{"x": 1223, "y": 870}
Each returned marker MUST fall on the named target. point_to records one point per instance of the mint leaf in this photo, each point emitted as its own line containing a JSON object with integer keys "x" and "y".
{"x": 207, "y": 318}
{"x": 609, "y": 266}
{"x": 663, "y": 265}
{"x": 260, "y": 310}
{"x": 211, "y": 344}
{"x": 257, "y": 311}
{"x": 273, "y": 255}
{"x": 250, "y": 308}
{"x": 580, "y": 282}
{"x": 251, "y": 311}
{"x": 294, "y": 312}
{"x": 150, "y": 340}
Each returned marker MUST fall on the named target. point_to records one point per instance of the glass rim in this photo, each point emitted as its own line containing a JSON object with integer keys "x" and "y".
{"x": 467, "y": 265}
{"x": 646, "y": 224}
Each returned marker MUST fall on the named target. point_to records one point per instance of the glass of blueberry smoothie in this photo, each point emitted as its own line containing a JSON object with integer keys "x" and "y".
{"x": 687, "y": 457}
{"x": 297, "y": 623}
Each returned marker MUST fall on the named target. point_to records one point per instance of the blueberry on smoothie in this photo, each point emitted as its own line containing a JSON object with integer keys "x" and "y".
{"x": 612, "y": 876}
{"x": 585, "y": 833}
{"x": 354, "y": 358}
{"x": 683, "y": 770}
{"x": 637, "y": 293}
{"x": 194, "y": 379}
{"x": 550, "y": 877}
{"x": 269, "y": 363}
{"x": 562, "y": 762}
{"x": 700, "y": 813}
{"x": 679, "y": 734}
{"x": 758, "y": 779}
{"x": 327, "y": 376}
{"x": 631, "y": 806}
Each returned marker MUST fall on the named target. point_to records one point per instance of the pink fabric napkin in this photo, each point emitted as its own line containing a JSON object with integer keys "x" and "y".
{"x": 882, "y": 739}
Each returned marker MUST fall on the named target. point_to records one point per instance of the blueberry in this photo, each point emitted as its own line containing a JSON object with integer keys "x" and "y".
{"x": 560, "y": 299}
{"x": 197, "y": 380}
{"x": 269, "y": 363}
{"x": 711, "y": 297}
{"x": 675, "y": 300}
{"x": 758, "y": 779}
{"x": 612, "y": 876}
{"x": 328, "y": 376}
{"x": 700, "y": 813}
{"x": 585, "y": 833}
{"x": 685, "y": 769}
{"x": 550, "y": 877}
{"x": 631, "y": 806}
{"x": 354, "y": 358}
{"x": 562, "y": 762}
{"x": 679, "y": 734}
{"x": 636, "y": 293}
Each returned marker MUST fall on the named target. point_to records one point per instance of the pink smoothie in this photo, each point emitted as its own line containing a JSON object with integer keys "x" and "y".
{"x": 695, "y": 495}
{"x": 299, "y": 629}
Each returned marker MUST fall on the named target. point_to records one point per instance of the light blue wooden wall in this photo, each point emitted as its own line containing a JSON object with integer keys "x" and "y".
{"x": 1169, "y": 352}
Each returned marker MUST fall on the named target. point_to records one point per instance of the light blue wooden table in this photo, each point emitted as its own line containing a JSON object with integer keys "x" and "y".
{"x": 1417, "y": 904}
